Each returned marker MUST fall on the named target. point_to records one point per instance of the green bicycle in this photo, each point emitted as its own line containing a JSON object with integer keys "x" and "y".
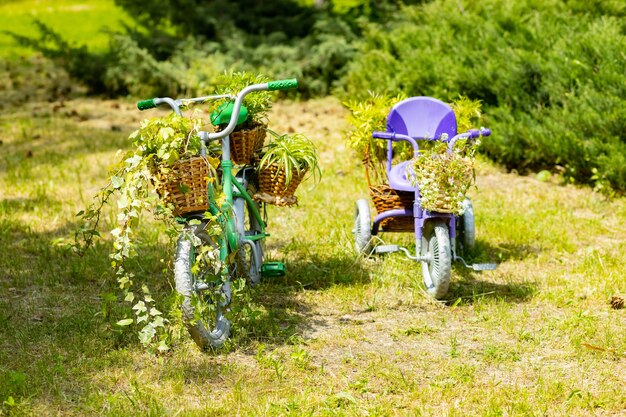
{"x": 207, "y": 292}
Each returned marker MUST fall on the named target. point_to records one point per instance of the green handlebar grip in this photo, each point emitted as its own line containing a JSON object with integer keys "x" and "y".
{"x": 146, "y": 104}
{"x": 282, "y": 84}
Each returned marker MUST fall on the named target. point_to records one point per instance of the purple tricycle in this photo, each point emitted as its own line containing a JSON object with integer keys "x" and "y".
{"x": 436, "y": 233}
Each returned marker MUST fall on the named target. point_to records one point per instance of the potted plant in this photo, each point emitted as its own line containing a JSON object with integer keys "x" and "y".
{"x": 164, "y": 158}
{"x": 285, "y": 162}
{"x": 368, "y": 116}
{"x": 444, "y": 175}
{"x": 248, "y": 136}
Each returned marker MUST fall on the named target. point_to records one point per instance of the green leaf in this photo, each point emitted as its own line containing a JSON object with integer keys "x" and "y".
{"x": 122, "y": 203}
{"x": 140, "y": 307}
{"x": 116, "y": 181}
{"x": 163, "y": 347}
{"x": 125, "y": 322}
{"x": 146, "y": 334}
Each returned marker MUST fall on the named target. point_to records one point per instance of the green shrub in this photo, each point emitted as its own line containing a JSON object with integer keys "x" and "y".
{"x": 184, "y": 45}
{"x": 133, "y": 70}
{"x": 124, "y": 69}
{"x": 550, "y": 77}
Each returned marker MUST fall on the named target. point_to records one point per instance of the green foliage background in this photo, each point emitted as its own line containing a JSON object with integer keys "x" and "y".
{"x": 550, "y": 74}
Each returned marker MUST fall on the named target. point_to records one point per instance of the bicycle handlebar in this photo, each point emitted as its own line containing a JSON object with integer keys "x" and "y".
{"x": 175, "y": 104}
{"x": 471, "y": 134}
{"x": 272, "y": 85}
{"x": 282, "y": 84}
{"x": 146, "y": 104}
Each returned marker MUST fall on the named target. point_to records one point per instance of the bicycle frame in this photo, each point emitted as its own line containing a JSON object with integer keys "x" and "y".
{"x": 232, "y": 239}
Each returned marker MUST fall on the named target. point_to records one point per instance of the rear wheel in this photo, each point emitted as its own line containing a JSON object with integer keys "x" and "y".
{"x": 250, "y": 252}
{"x": 466, "y": 226}
{"x": 362, "y": 223}
{"x": 205, "y": 295}
{"x": 436, "y": 249}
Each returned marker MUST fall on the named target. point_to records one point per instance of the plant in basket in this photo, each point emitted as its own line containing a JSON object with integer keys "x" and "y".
{"x": 164, "y": 158}
{"x": 249, "y": 136}
{"x": 367, "y": 116}
{"x": 444, "y": 175}
{"x": 286, "y": 160}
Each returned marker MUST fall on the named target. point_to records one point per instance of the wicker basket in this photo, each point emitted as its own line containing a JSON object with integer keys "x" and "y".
{"x": 244, "y": 144}
{"x": 385, "y": 199}
{"x": 185, "y": 187}
{"x": 272, "y": 188}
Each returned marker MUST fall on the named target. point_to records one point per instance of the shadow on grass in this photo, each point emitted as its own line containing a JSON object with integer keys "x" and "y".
{"x": 284, "y": 316}
{"x": 470, "y": 288}
{"x": 53, "y": 308}
{"x": 467, "y": 285}
{"x": 51, "y": 314}
{"x": 484, "y": 252}
{"x": 58, "y": 306}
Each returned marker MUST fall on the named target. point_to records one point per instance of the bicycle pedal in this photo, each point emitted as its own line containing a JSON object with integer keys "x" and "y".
{"x": 273, "y": 269}
{"x": 387, "y": 249}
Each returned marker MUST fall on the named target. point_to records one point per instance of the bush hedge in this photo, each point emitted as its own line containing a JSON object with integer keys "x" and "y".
{"x": 550, "y": 74}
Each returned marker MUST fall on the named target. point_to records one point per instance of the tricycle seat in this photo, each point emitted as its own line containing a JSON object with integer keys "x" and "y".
{"x": 418, "y": 118}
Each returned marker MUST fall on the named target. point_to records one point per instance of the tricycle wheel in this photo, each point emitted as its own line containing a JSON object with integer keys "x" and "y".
{"x": 437, "y": 263}
{"x": 466, "y": 227}
{"x": 362, "y": 232}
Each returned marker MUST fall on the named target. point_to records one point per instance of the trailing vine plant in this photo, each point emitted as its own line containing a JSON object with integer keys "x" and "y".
{"x": 157, "y": 145}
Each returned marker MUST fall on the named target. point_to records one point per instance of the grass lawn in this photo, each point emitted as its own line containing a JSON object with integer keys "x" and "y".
{"x": 337, "y": 335}
{"x": 81, "y": 22}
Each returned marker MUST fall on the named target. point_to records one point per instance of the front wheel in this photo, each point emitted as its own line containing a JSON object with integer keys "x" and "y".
{"x": 437, "y": 263}
{"x": 205, "y": 295}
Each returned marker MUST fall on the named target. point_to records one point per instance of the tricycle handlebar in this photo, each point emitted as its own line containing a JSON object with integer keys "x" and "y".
{"x": 475, "y": 133}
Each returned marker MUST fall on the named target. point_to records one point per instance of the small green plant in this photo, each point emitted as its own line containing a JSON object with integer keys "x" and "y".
{"x": 366, "y": 117}
{"x": 444, "y": 175}
{"x": 291, "y": 154}
{"x": 258, "y": 104}
{"x": 158, "y": 145}
{"x": 468, "y": 113}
